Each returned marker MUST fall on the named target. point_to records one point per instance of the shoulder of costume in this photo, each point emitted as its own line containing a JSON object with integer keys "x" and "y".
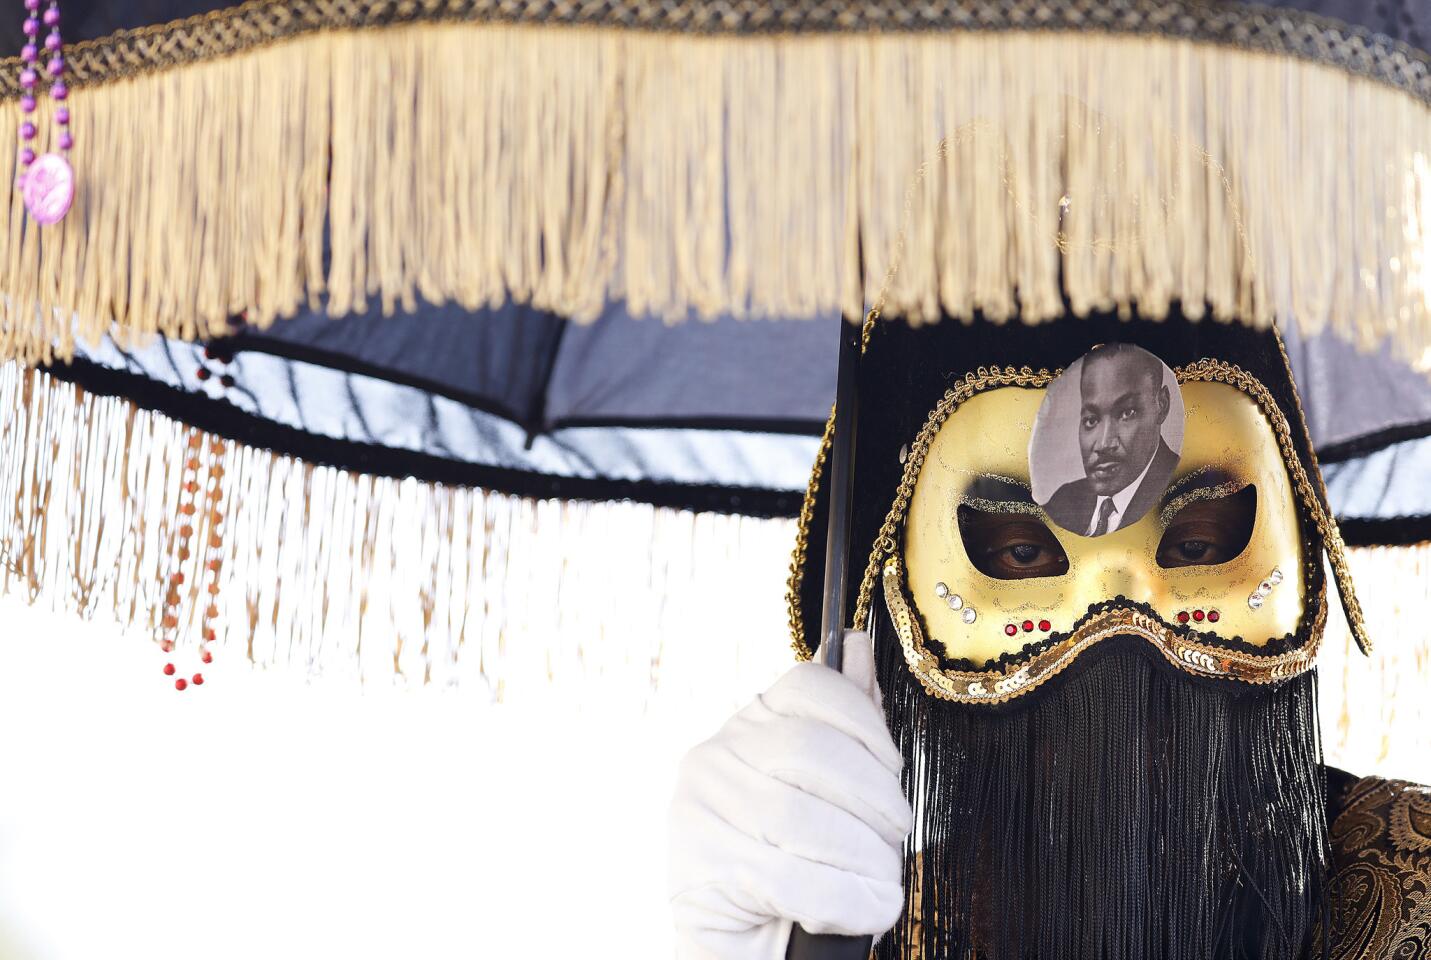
{"x": 1381, "y": 861}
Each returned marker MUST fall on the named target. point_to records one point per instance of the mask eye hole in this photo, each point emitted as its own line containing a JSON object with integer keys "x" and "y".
{"x": 1010, "y": 546}
{"x": 1208, "y": 532}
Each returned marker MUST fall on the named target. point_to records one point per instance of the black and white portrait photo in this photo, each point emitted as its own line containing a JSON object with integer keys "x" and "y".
{"x": 1106, "y": 440}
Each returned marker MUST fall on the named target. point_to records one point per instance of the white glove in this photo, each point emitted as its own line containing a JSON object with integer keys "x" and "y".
{"x": 792, "y": 813}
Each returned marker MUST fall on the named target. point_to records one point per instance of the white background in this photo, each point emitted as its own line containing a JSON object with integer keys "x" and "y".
{"x": 263, "y": 816}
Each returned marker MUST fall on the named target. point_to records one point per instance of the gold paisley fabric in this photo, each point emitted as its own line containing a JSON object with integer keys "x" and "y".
{"x": 1381, "y": 886}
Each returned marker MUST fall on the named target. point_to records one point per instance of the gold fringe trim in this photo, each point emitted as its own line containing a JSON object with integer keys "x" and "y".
{"x": 344, "y": 575}
{"x": 693, "y": 176}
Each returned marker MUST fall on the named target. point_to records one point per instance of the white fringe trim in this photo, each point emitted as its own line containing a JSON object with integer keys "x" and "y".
{"x": 346, "y": 576}
{"x": 1376, "y": 710}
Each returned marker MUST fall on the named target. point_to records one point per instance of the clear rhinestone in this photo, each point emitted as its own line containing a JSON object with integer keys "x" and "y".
{"x": 969, "y": 615}
{"x": 955, "y": 601}
{"x": 941, "y": 590}
{"x": 1276, "y": 576}
{"x": 1265, "y": 587}
{"x": 1255, "y": 601}
{"x": 904, "y": 453}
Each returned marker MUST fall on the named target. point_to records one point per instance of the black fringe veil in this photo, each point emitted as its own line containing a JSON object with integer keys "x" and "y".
{"x": 1126, "y": 810}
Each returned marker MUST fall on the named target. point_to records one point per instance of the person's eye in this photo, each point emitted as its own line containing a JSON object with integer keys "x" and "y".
{"x": 1209, "y": 532}
{"x": 1128, "y": 413}
{"x": 1010, "y": 546}
{"x": 1089, "y": 422}
{"x": 1193, "y": 551}
{"x": 1025, "y": 553}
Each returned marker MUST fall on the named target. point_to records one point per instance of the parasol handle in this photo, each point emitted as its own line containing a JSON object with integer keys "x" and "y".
{"x": 826, "y": 946}
{"x": 803, "y": 944}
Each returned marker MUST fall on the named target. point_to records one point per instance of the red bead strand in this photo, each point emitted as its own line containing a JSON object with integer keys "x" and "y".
{"x": 210, "y": 540}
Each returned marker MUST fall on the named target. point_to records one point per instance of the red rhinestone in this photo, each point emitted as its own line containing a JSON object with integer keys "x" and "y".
{"x": 208, "y": 353}
{"x": 198, "y": 679}
{"x": 168, "y": 669}
{"x": 207, "y": 657}
{"x": 167, "y": 646}
{"x": 1213, "y": 616}
{"x": 1182, "y": 616}
{"x": 202, "y": 373}
{"x": 1028, "y": 626}
{"x": 1197, "y": 615}
{"x": 227, "y": 380}
{"x": 177, "y": 578}
{"x": 1011, "y": 630}
{"x": 180, "y": 684}
{"x": 1045, "y": 626}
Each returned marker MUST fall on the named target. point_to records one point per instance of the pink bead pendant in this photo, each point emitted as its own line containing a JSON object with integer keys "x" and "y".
{"x": 49, "y": 188}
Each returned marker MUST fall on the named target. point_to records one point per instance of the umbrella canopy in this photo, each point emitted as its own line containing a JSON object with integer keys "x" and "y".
{"x": 721, "y": 416}
{"x": 480, "y": 254}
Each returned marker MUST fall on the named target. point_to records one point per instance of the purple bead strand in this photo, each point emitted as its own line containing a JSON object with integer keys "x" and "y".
{"x": 30, "y": 77}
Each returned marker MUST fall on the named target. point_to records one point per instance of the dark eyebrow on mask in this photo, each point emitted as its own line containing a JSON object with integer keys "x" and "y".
{"x": 987, "y": 488}
{"x": 1207, "y": 483}
{"x": 1199, "y": 479}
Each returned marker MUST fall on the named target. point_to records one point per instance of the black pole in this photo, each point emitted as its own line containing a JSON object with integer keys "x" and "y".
{"x": 805, "y": 945}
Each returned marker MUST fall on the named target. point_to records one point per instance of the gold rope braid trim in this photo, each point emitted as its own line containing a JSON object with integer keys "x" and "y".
{"x": 802, "y": 545}
{"x": 999, "y": 686}
{"x": 1336, "y": 546}
{"x": 984, "y": 378}
{"x": 1252, "y": 27}
{"x": 1206, "y": 370}
{"x": 1332, "y": 543}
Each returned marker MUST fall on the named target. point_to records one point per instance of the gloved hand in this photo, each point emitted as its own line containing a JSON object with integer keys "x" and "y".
{"x": 792, "y": 813}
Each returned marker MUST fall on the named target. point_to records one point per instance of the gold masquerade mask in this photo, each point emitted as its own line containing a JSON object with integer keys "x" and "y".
{"x": 989, "y": 599}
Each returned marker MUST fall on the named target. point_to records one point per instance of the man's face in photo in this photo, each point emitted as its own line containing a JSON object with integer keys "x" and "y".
{"x": 1124, "y": 406}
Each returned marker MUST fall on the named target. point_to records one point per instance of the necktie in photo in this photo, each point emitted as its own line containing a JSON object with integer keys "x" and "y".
{"x": 1104, "y": 512}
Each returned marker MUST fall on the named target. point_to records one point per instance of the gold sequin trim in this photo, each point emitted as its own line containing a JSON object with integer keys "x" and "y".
{"x": 1002, "y": 685}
